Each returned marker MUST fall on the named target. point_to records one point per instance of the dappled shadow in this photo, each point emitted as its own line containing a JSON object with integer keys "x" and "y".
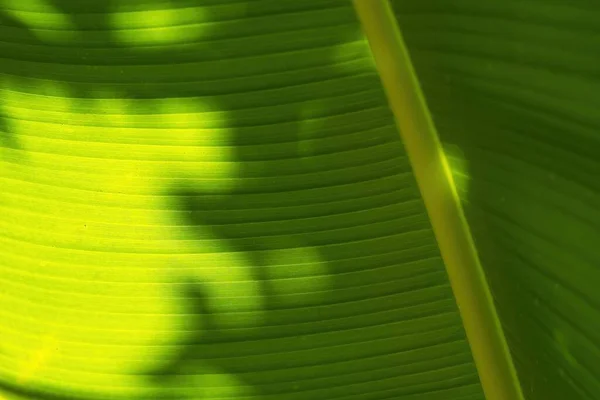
{"x": 292, "y": 243}
{"x": 7, "y": 139}
{"x": 292, "y": 164}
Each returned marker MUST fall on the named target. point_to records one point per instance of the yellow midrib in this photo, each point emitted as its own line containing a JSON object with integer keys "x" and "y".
{"x": 482, "y": 326}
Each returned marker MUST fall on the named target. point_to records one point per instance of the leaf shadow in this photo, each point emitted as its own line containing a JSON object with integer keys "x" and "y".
{"x": 290, "y": 191}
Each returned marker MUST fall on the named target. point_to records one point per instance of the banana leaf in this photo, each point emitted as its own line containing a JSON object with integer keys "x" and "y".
{"x": 219, "y": 199}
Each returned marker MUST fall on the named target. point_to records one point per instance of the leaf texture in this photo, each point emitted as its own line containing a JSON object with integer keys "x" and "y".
{"x": 212, "y": 202}
{"x": 514, "y": 85}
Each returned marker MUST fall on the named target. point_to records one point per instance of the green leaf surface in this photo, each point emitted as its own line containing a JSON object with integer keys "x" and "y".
{"x": 514, "y": 85}
{"x": 210, "y": 200}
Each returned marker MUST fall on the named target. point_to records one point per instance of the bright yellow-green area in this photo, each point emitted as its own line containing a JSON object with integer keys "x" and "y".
{"x": 457, "y": 170}
{"x": 109, "y": 124}
{"x": 42, "y": 18}
{"x": 38, "y": 358}
{"x": 116, "y": 251}
{"x": 6, "y": 396}
{"x": 158, "y": 23}
{"x": 354, "y": 55}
